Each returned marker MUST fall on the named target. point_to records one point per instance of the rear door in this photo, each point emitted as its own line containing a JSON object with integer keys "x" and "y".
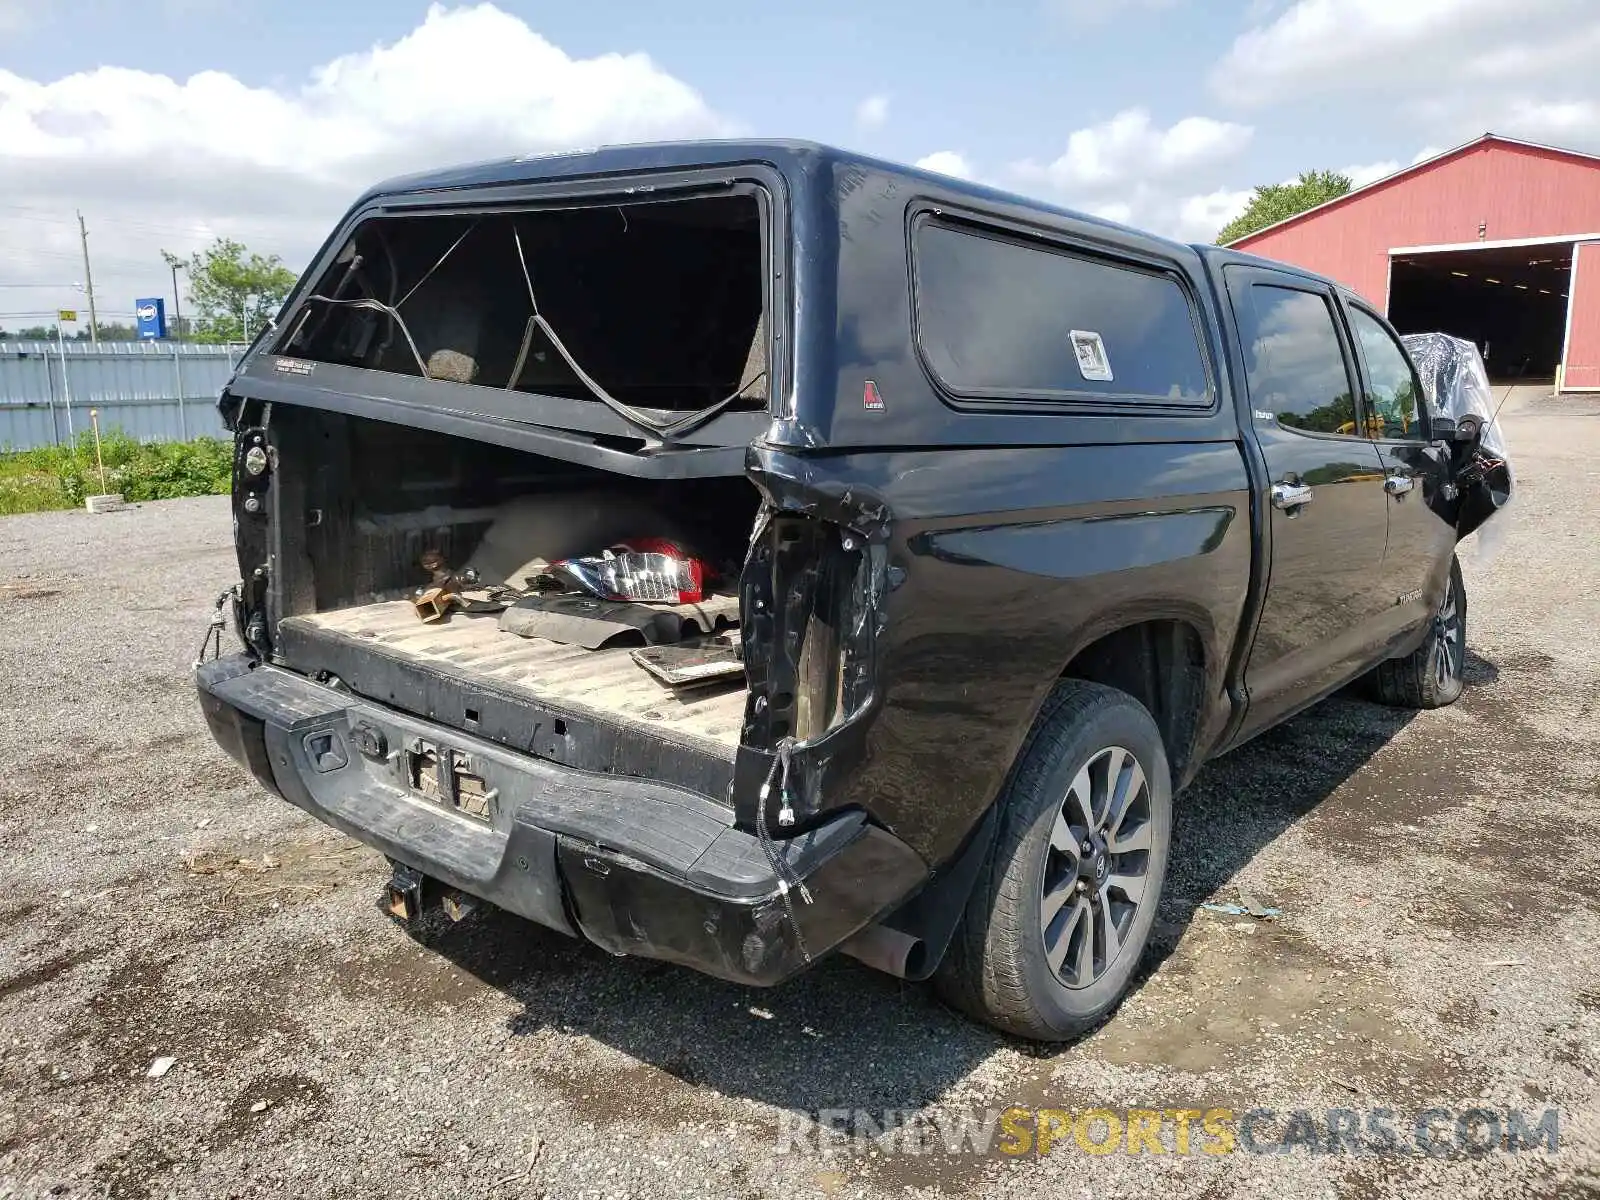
{"x": 1326, "y": 503}
{"x": 1422, "y": 535}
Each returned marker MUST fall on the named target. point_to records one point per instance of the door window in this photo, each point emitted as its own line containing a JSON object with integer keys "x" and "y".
{"x": 1295, "y": 362}
{"x": 1392, "y": 392}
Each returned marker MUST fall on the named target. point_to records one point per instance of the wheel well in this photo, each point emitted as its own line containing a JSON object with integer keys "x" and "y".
{"x": 1161, "y": 664}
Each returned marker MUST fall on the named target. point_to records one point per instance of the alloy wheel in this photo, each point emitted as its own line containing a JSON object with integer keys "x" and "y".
{"x": 1449, "y": 642}
{"x": 1096, "y": 867}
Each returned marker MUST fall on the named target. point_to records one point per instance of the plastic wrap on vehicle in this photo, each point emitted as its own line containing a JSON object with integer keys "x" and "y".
{"x": 1457, "y": 386}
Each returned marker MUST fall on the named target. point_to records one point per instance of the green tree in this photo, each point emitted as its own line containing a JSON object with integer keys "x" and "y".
{"x": 1276, "y": 202}
{"x": 233, "y": 293}
{"x": 110, "y": 331}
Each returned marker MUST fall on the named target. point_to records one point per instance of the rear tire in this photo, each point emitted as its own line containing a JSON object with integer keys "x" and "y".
{"x": 1433, "y": 674}
{"x": 1053, "y": 932}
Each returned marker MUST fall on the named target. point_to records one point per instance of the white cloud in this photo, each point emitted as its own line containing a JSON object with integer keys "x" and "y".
{"x": 1318, "y": 44}
{"x": 1119, "y": 211}
{"x": 947, "y": 162}
{"x": 1566, "y": 121}
{"x": 1200, "y": 217}
{"x": 155, "y": 161}
{"x": 1361, "y": 174}
{"x": 1572, "y": 47}
{"x": 1446, "y": 69}
{"x": 1130, "y": 170}
{"x": 872, "y": 112}
{"x": 1129, "y": 147}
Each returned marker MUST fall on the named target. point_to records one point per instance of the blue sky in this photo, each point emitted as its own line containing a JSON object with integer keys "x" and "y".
{"x": 1014, "y": 83}
{"x": 171, "y": 121}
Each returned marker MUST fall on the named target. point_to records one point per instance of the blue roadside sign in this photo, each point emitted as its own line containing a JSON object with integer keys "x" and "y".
{"x": 151, "y": 317}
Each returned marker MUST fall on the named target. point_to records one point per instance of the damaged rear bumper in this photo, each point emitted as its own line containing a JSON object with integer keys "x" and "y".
{"x": 635, "y": 866}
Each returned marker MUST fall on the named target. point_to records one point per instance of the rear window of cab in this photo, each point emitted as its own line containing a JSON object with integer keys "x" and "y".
{"x": 1004, "y": 318}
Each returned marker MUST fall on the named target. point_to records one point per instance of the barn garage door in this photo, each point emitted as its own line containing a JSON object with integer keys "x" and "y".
{"x": 1582, "y": 356}
{"x": 1511, "y": 300}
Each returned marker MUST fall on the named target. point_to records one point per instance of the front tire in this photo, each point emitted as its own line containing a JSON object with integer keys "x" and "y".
{"x": 1061, "y": 914}
{"x": 1433, "y": 674}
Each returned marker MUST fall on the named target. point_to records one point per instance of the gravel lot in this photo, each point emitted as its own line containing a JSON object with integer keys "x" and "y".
{"x": 1438, "y": 876}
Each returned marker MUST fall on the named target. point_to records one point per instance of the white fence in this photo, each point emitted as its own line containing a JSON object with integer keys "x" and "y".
{"x": 153, "y": 391}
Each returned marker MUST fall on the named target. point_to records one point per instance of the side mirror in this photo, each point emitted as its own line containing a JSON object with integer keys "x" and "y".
{"x": 1448, "y": 429}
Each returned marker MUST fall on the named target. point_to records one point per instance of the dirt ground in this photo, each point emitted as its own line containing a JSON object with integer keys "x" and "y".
{"x": 1437, "y": 878}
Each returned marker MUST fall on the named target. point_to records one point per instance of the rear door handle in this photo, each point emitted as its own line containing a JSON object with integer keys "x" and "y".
{"x": 1398, "y": 485}
{"x": 1290, "y": 495}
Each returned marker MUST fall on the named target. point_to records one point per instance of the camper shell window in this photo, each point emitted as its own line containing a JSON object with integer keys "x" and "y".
{"x": 654, "y": 308}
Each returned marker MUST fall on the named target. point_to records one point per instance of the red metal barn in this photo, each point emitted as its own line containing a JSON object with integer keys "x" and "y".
{"x": 1497, "y": 241}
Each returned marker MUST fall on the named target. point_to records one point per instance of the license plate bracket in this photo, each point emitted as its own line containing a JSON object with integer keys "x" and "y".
{"x": 447, "y": 777}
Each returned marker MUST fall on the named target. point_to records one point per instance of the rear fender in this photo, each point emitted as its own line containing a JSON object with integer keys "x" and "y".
{"x": 812, "y": 615}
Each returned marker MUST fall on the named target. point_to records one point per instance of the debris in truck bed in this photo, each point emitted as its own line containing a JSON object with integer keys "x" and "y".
{"x": 594, "y": 624}
{"x": 588, "y": 622}
{"x": 651, "y": 570}
{"x": 606, "y": 682}
{"x": 456, "y": 589}
{"x": 433, "y": 603}
{"x": 530, "y": 531}
{"x": 692, "y": 665}
{"x": 433, "y": 600}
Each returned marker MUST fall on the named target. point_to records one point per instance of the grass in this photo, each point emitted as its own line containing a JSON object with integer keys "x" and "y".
{"x": 55, "y": 477}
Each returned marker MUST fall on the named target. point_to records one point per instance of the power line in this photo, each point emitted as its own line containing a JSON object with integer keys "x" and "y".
{"x": 67, "y": 255}
{"x": 198, "y": 228}
{"x": 53, "y": 313}
{"x": 50, "y": 217}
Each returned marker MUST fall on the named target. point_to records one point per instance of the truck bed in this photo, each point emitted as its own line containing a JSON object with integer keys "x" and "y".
{"x": 605, "y": 683}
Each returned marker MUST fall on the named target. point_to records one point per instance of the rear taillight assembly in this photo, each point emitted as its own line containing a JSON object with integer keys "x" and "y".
{"x": 650, "y": 571}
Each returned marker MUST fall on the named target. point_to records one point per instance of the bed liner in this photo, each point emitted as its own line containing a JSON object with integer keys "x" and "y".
{"x": 604, "y": 683}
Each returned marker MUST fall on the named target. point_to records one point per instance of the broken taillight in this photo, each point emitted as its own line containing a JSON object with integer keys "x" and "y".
{"x": 650, "y": 570}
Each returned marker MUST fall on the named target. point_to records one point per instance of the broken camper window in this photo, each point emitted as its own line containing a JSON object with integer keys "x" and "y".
{"x": 654, "y": 309}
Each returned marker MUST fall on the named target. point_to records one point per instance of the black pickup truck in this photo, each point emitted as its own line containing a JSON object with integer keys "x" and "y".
{"x": 730, "y": 553}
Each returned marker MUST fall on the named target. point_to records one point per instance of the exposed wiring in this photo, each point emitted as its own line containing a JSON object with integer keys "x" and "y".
{"x": 439, "y": 262}
{"x": 522, "y": 355}
{"x": 350, "y": 272}
{"x": 788, "y": 878}
{"x": 639, "y": 419}
{"x": 389, "y": 310}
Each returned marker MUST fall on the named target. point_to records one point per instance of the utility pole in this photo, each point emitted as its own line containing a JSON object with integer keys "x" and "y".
{"x": 177, "y": 308}
{"x": 177, "y": 264}
{"x": 88, "y": 283}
